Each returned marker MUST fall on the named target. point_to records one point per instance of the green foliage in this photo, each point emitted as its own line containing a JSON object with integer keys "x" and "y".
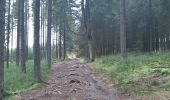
{"x": 141, "y": 74}
{"x": 17, "y": 82}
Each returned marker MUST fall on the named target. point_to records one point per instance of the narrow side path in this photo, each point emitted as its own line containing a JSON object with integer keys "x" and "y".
{"x": 72, "y": 80}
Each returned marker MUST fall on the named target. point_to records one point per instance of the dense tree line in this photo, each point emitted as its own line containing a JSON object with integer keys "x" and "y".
{"x": 146, "y": 26}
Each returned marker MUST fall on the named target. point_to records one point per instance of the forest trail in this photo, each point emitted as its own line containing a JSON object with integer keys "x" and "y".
{"x": 73, "y": 80}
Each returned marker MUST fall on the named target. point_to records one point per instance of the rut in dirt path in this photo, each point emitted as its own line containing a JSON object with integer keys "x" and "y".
{"x": 72, "y": 80}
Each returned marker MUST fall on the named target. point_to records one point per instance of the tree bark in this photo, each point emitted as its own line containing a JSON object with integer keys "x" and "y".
{"x": 49, "y": 33}
{"x": 59, "y": 48}
{"x": 12, "y": 38}
{"x": 64, "y": 40}
{"x": 123, "y": 31}
{"x": 8, "y": 32}
{"x": 2, "y": 41}
{"x": 43, "y": 29}
{"x": 18, "y": 34}
{"x": 41, "y": 32}
{"x": 26, "y": 28}
{"x": 86, "y": 19}
{"x": 56, "y": 42}
{"x": 22, "y": 28}
{"x": 89, "y": 33}
{"x": 37, "y": 71}
{"x": 150, "y": 25}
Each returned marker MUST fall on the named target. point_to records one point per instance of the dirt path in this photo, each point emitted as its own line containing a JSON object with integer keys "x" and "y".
{"x": 72, "y": 80}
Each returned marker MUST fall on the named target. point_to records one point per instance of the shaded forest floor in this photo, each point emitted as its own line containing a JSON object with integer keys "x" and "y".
{"x": 73, "y": 80}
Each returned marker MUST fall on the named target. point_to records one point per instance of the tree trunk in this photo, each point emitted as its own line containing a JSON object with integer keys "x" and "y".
{"x": 43, "y": 30}
{"x": 2, "y": 41}
{"x": 37, "y": 71}
{"x": 18, "y": 34}
{"x": 91, "y": 50}
{"x": 22, "y": 28}
{"x": 60, "y": 32}
{"x": 26, "y": 28}
{"x": 12, "y": 38}
{"x": 49, "y": 33}
{"x": 12, "y": 34}
{"x": 157, "y": 36}
{"x": 64, "y": 41}
{"x": 123, "y": 31}
{"x": 56, "y": 43}
{"x": 89, "y": 33}
{"x": 8, "y": 33}
{"x": 151, "y": 33}
{"x": 87, "y": 24}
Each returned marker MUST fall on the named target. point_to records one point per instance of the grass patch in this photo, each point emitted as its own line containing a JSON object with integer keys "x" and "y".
{"x": 16, "y": 82}
{"x": 143, "y": 73}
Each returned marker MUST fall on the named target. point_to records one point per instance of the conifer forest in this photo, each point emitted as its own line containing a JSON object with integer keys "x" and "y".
{"x": 84, "y": 49}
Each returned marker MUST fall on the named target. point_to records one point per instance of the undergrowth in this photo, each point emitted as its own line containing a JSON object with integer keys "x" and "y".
{"x": 16, "y": 82}
{"x": 143, "y": 73}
